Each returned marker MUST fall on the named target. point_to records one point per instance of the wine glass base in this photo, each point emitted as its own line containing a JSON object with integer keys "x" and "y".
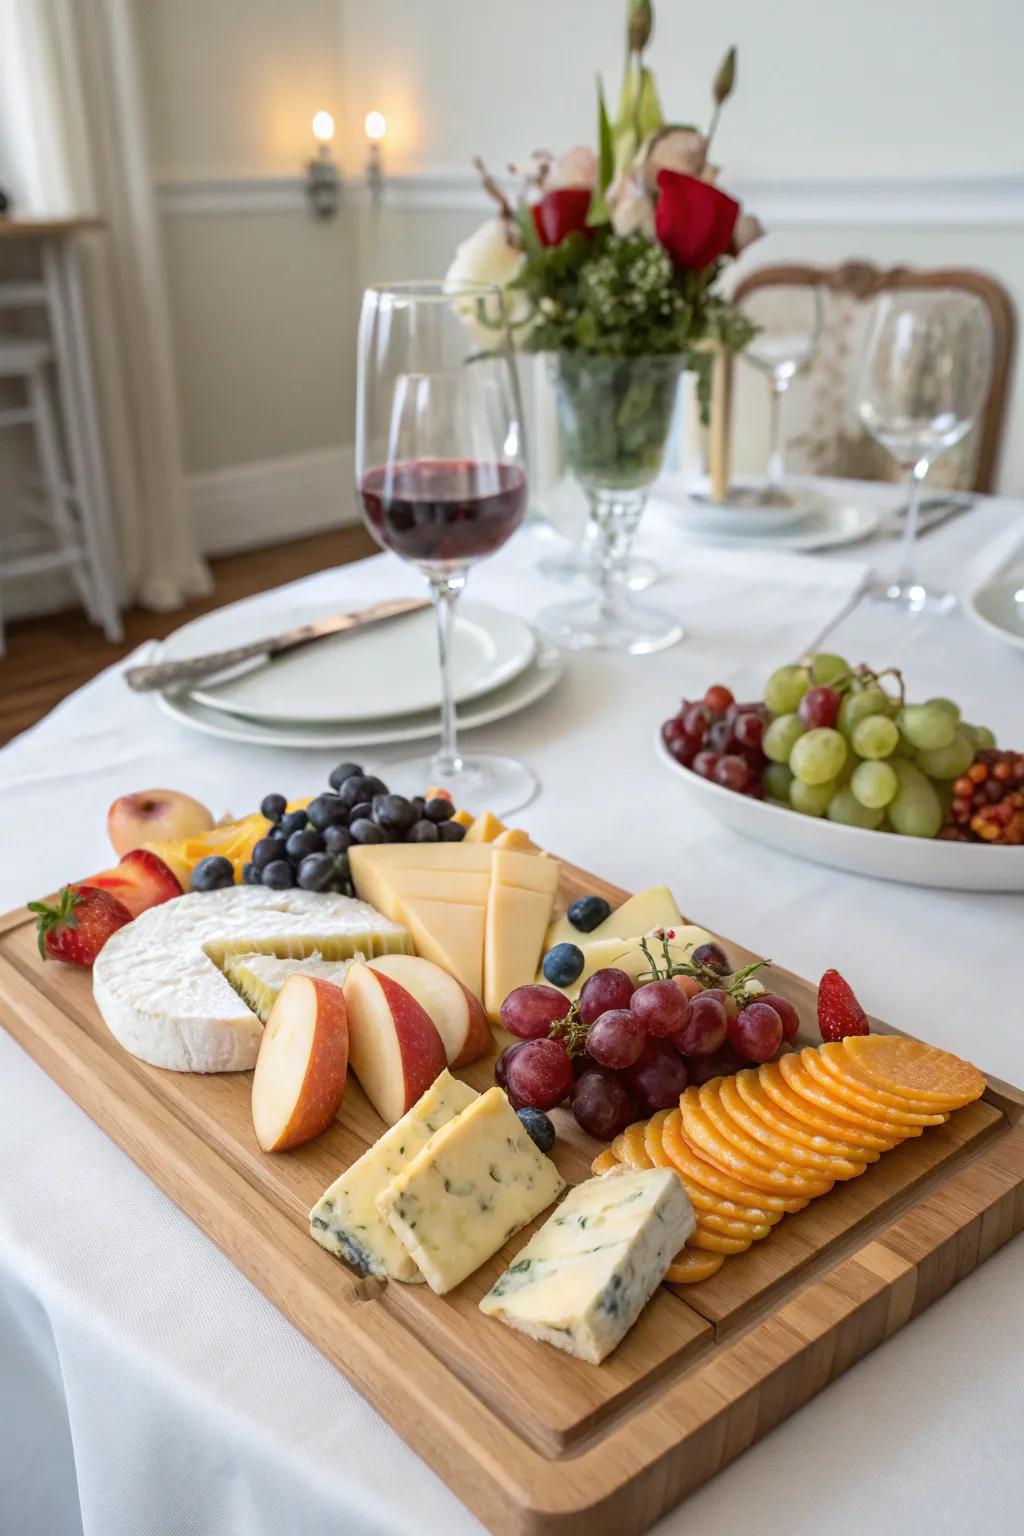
{"x": 913, "y": 597}
{"x": 635, "y": 573}
{"x": 483, "y": 781}
{"x": 635, "y": 629}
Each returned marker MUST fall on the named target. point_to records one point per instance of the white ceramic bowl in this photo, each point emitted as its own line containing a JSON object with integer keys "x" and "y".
{"x": 884, "y": 855}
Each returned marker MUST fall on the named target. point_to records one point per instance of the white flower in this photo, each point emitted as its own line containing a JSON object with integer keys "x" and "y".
{"x": 747, "y": 230}
{"x": 577, "y": 167}
{"x": 489, "y": 256}
{"x": 672, "y": 149}
{"x": 630, "y": 205}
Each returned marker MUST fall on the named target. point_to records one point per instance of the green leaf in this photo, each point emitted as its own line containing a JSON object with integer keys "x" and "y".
{"x": 605, "y": 140}
{"x": 528, "y": 231}
{"x": 649, "y": 115}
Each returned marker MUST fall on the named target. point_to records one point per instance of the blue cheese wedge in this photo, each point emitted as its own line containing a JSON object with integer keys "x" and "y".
{"x": 345, "y": 1219}
{"x": 582, "y": 1281}
{"x": 470, "y": 1189}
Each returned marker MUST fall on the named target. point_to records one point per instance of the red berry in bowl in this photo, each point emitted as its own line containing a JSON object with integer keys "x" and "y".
{"x": 661, "y": 1007}
{"x": 820, "y": 707}
{"x": 705, "y": 763}
{"x": 786, "y": 1012}
{"x": 748, "y": 729}
{"x": 756, "y": 1032}
{"x": 732, "y": 772}
{"x": 718, "y": 698}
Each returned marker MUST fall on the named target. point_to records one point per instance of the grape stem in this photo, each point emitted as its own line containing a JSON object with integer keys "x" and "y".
{"x": 862, "y": 674}
{"x": 571, "y": 1031}
{"x": 703, "y": 973}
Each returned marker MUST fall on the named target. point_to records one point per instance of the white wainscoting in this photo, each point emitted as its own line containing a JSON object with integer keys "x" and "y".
{"x": 246, "y": 506}
{"x": 786, "y": 203}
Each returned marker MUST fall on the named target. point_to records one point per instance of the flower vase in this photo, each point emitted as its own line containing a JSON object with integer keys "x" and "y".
{"x": 615, "y": 415}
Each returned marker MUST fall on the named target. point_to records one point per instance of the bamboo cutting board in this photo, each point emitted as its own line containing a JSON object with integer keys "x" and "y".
{"x": 530, "y": 1439}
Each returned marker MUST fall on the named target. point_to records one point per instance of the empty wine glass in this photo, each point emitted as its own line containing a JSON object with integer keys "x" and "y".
{"x": 924, "y": 379}
{"x": 789, "y": 321}
{"x": 441, "y": 478}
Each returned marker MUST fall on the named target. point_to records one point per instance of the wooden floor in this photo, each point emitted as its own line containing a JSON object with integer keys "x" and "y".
{"x": 49, "y": 658}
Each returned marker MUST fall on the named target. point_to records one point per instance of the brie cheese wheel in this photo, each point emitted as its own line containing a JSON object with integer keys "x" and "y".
{"x": 158, "y": 984}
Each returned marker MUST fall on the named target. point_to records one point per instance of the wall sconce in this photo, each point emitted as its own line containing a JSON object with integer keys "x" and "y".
{"x": 322, "y": 179}
{"x": 375, "y": 127}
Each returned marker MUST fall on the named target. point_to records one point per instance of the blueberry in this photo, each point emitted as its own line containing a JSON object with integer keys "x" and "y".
{"x": 273, "y": 807}
{"x": 439, "y": 809}
{"x": 316, "y": 872}
{"x": 393, "y": 812}
{"x": 419, "y": 805}
{"x": 279, "y": 875}
{"x": 337, "y": 839}
{"x": 361, "y": 786}
{"x": 365, "y": 831}
{"x": 213, "y": 873}
{"x": 538, "y": 1127}
{"x": 341, "y": 869}
{"x": 302, "y": 843}
{"x": 292, "y": 821}
{"x": 451, "y": 832}
{"x": 251, "y": 874}
{"x": 266, "y": 849}
{"x": 423, "y": 832}
{"x": 361, "y": 812}
{"x": 586, "y": 913}
{"x": 563, "y": 964}
{"x": 344, "y": 771}
{"x": 326, "y": 811}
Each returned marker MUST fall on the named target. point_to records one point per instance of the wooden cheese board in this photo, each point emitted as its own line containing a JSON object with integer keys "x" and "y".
{"x": 530, "y": 1439}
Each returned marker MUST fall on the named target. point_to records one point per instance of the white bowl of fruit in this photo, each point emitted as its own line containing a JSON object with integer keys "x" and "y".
{"x": 837, "y": 765}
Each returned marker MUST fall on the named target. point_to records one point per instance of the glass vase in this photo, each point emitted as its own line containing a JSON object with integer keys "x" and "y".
{"x": 615, "y": 415}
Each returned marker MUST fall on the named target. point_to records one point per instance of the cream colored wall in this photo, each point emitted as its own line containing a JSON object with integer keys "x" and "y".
{"x": 265, "y": 304}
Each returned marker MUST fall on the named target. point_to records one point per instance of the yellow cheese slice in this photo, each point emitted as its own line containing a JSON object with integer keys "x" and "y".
{"x": 655, "y": 908}
{"x": 484, "y": 829}
{"x": 626, "y": 955}
{"x": 515, "y": 837}
{"x": 451, "y": 934}
{"x": 518, "y": 910}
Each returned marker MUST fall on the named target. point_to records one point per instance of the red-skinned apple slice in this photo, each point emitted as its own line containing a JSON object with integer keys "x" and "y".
{"x": 141, "y": 880}
{"x": 457, "y": 1015}
{"x": 395, "y": 1049}
{"x": 299, "y": 1080}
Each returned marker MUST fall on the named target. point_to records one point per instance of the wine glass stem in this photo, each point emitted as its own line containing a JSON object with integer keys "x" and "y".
{"x": 444, "y": 590}
{"x": 614, "y": 517}
{"x": 908, "y": 550}
{"x": 775, "y": 450}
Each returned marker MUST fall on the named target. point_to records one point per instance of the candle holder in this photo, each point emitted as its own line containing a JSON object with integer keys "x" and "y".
{"x": 323, "y": 182}
{"x": 375, "y": 127}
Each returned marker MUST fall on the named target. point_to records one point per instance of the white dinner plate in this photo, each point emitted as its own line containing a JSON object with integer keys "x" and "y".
{"x": 825, "y": 527}
{"x": 884, "y": 855}
{"x": 379, "y": 673}
{"x": 532, "y": 684}
{"x": 744, "y": 517}
{"x": 998, "y": 606}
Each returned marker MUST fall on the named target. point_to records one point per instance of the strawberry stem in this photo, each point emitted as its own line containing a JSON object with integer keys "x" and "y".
{"x": 50, "y": 918}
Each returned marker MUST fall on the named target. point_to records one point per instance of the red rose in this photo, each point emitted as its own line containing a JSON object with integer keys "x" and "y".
{"x": 560, "y": 213}
{"x": 693, "y": 220}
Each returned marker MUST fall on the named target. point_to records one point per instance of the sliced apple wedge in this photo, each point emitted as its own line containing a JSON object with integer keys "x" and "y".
{"x": 396, "y": 1050}
{"x": 457, "y": 1015}
{"x": 299, "y": 1080}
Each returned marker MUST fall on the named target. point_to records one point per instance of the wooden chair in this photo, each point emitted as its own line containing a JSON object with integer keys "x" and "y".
{"x": 831, "y": 440}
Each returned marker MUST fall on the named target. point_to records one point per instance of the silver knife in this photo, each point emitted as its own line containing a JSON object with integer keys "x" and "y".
{"x": 192, "y": 669}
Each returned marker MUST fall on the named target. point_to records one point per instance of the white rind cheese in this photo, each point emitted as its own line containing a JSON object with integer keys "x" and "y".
{"x": 475, "y": 1183}
{"x": 582, "y": 1281}
{"x": 258, "y": 978}
{"x": 345, "y": 1219}
{"x": 165, "y": 999}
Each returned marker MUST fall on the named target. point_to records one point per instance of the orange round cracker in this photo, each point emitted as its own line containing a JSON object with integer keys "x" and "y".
{"x": 634, "y": 1153}
{"x": 701, "y": 1177}
{"x": 814, "y": 1113}
{"x": 718, "y": 1150}
{"x": 906, "y": 1066}
{"x": 653, "y": 1143}
{"x": 690, "y": 1266}
{"x": 605, "y": 1162}
{"x": 714, "y": 1242}
{"x": 842, "y": 1066}
{"x": 776, "y": 1146}
{"x": 751, "y": 1091}
{"x": 841, "y": 1089}
{"x": 796, "y": 1076}
{"x": 728, "y": 1226}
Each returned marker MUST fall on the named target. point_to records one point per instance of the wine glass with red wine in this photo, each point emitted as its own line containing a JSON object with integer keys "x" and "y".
{"x": 440, "y": 471}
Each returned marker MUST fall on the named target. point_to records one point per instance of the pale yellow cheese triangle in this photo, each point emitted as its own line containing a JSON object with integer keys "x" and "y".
{"x": 518, "y": 912}
{"x": 449, "y": 933}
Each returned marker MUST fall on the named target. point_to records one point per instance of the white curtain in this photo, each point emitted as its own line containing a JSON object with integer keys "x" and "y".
{"x": 75, "y": 131}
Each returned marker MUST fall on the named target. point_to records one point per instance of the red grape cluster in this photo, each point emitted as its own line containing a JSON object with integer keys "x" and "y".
{"x": 720, "y": 740}
{"x": 624, "y": 1050}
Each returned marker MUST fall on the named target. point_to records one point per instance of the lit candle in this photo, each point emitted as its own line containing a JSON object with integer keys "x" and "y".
{"x": 323, "y": 130}
{"x": 375, "y": 127}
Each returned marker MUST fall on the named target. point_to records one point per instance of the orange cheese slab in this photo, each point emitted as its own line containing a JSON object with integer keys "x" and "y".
{"x": 910, "y": 1067}
{"x": 751, "y": 1090}
{"x": 797, "y": 1077}
{"x": 719, "y": 1151}
{"x": 817, "y": 1112}
{"x": 845, "y": 1094}
{"x": 707, "y": 1176}
{"x": 776, "y": 1149}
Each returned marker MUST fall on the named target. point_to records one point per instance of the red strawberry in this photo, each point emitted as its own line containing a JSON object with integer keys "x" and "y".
{"x": 76, "y": 929}
{"x": 839, "y": 1012}
{"x": 141, "y": 880}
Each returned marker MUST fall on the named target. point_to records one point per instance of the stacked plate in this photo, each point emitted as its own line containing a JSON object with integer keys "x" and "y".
{"x": 810, "y": 520}
{"x": 374, "y": 686}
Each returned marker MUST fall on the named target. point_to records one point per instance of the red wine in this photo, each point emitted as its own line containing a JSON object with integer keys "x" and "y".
{"x": 443, "y": 510}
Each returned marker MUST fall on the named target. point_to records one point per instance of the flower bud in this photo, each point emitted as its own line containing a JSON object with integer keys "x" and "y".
{"x": 640, "y": 25}
{"x": 725, "y": 79}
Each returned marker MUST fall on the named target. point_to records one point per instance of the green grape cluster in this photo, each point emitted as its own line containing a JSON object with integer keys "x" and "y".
{"x": 840, "y": 744}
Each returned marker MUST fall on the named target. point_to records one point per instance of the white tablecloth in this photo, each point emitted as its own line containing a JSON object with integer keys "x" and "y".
{"x": 146, "y": 1389}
